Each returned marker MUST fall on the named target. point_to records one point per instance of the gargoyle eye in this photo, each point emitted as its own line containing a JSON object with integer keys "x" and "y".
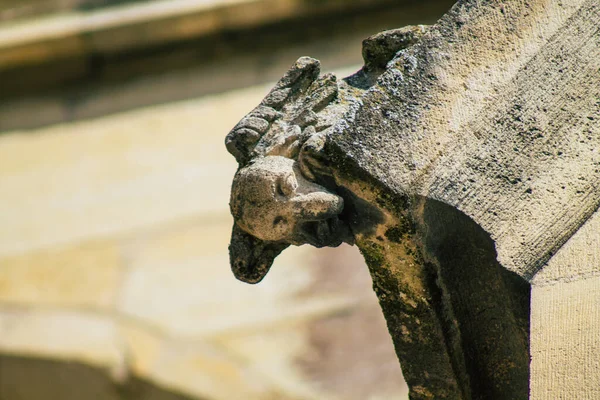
{"x": 279, "y": 221}
{"x": 287, "y": 185}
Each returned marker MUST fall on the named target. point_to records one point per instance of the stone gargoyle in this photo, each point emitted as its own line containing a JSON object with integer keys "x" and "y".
{"x": 283, "y": 192}
{"x": 462, "y": 162}
{"x": 324, "y": 161}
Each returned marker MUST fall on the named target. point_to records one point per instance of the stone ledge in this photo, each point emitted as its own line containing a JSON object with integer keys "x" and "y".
{"x": 145, "y": 24}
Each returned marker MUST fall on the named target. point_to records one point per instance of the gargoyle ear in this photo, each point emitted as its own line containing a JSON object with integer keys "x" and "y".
{"x": 250, "y": 257}
{"x": 240, "y": 142}
{"x": 299, "y": 77}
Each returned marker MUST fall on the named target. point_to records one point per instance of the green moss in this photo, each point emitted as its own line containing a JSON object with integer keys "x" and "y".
{"x": 392, "y": 202}
{"x": 373, "y": 254}
{"x": 399, "y": 232}
{"x": 394, "y": 234}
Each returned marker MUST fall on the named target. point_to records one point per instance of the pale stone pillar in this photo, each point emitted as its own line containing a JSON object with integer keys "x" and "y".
{"x": 565, "y": 320}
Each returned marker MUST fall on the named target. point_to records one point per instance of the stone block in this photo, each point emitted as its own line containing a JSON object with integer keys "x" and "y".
{"x": 576, "y": 259}
{"x": 83, "y": 276}
{"x": 565, "y": 340}
{"x": 89, "y": 338}
{"x": 565, "y": 320}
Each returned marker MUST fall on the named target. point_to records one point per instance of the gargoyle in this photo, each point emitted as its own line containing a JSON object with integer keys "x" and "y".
{"x": 282, "y": 193}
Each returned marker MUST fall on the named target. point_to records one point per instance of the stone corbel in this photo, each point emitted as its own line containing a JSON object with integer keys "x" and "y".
{"x": 460, "y": 159}
{"x": 285, "y": 191}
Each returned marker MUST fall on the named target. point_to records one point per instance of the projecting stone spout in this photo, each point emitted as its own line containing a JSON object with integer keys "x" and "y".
{"x": 460, "y": 159}
{"x": 278, "y": 196}
{"x": 285, "y": 191}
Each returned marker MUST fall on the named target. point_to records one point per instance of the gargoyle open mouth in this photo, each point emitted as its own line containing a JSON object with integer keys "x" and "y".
{"x": 326, "y": 232}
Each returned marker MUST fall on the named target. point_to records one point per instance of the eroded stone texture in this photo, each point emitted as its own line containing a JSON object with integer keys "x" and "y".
{"x": 565, "y": 320}
{"x": 495, "y": 112}
{"x": 464, "y": 163}
{"x": 274, "y": 199}
{"x": 280, "y": 150}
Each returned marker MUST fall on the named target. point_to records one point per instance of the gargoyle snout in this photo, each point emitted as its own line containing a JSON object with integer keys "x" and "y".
{"x": 272, "y": 201}
{"x": 317, "y": 205}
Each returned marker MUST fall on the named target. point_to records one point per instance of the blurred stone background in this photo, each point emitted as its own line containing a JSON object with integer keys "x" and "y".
{"x": 114, "y": 185}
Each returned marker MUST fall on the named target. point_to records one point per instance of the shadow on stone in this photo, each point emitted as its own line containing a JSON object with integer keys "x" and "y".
{"x": 25, "y": 378}
{"x": 483, "y": 306}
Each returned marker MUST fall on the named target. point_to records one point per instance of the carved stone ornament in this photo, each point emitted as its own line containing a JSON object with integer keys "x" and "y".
{"x": 282, "y": 193}
{"x": 462, "y": 160}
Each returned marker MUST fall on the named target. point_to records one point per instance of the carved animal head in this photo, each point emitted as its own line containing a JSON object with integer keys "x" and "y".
{"x": 275, "y": 200}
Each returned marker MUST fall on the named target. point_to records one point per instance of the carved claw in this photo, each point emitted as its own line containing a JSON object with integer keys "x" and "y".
{"x": 243, "y": 137}
{"x": 322, "y": 92}
{"x": 299, "y": 77}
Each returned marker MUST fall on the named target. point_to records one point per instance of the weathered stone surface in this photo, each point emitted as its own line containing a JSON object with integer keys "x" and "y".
{"x": 565, "y": 304}
{"x": 464, "y": 166}
{"x": 379, "y": 49}
{"x": 495, "y": 112}
{"x": 504, "y": 131}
